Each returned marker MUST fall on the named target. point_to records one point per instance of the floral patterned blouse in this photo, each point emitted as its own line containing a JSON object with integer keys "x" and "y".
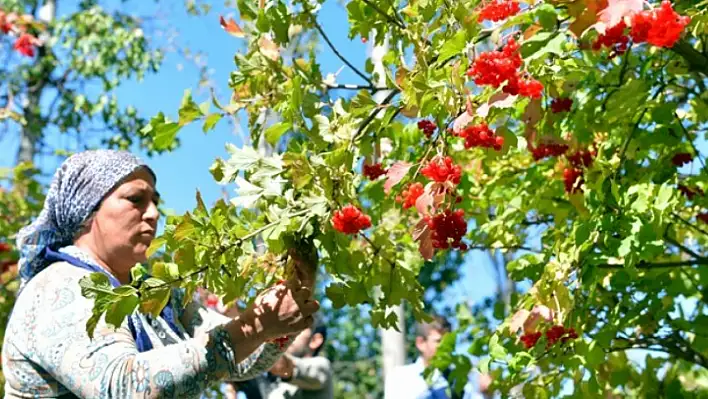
{"x": 48, "y": 354}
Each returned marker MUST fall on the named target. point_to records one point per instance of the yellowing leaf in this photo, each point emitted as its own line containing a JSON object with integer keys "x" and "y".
{"x": 268, "y": 48}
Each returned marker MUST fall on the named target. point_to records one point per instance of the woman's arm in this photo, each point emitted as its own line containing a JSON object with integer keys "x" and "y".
{"x": 110, "y": 365}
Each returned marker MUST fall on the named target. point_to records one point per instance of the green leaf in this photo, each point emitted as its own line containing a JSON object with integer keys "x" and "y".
{"x": 154, "y": 294}
{"x": 554, "y": 46}
{"x": 663, "y": 200}
{"x": 185, "y": 229}
{"x": 165, "y": 271}
{"x": 274, "y": 132}
{"x": 595, "y": 356}
{"x": 95, "y": 284}
{"x": 453, "y": 46}
{"x": 248, "y": 193}
{"x": 155, "y": 245}
{"x": 496, "y": 351}
{"x": 189, "y": 110}
{"x": 211, "y": 121}
{"x": 244, "y": 158}
{"x": 162, "y": 131}
{"x": 120, "y": 309}
{"x": 484, "y": 365}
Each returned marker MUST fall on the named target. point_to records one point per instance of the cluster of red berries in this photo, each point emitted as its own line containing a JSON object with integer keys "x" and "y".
{"x": 350, "y": 220}
{"x": 613, "y": 38}
{"x": 703, "y": 217}
{"x": 5, "y": 247}
{"x": 410, "y": 195}
{"x": 561, "y": 105}
{"x": 682, "y": 158}
{"x": 448, "y": 227}
{"x": 373, "y": 172}
{"x": 428, "y": 127}
{"x": 481, "y": 136}
{"x": 661, "y": 27}
{"x": 573, "y": 175}
{"x": 26, "y": 42}
{"x": 545, "y": 150}
{"x": 497, "y": 10}
{"x": 553, "y": 335}
{"x": 690, "y": 192}
{"x": 493, "y": 68}
{"x": 441, "y": 169}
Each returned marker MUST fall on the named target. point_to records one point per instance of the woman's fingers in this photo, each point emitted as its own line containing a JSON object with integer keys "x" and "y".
{"x": 303, "y": 324}
{"x": 309, "y": 307}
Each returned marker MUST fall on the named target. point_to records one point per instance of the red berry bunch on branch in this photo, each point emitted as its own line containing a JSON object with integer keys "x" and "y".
{"x": 497, "y": 10}
{"x": 428, "y": 127}
{"x": 613, "y": 38}
{"x": 546, "y": 150}
{"x": 12, "y": 23}
{"x": 410, "y": 195}
{"x": 559, "y": 105}
{"x": 661, "y": 27}
{"x": 682, "y": 158}
{"x": 690, "y": 192}
{"x": 441, "y": 169}
{"x": 573, "y": 175}
{"x": 373, "y": 172}
{"x": 553, "y": 335}
{"x": 481, "y": 136}
{"x": 350, "y": 220}
{"x": 494, "y": 68}
{"x": 448, "y": 227}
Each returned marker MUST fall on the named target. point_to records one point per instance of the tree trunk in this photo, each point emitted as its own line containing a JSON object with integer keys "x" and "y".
{"x": 393, "y": 343}
{"x": 31, "y": 133}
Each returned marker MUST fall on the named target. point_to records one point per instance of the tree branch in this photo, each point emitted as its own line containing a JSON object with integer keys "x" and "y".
{"x": 372, "y": 115}
{"x": 336, "y": 52}
{"x": 355, "y": 87}
{"x": 659, "y": 265}
{"x": 688, "y": 137}
{"x": 697, "y": 61}
{"x": 384, "y": 14}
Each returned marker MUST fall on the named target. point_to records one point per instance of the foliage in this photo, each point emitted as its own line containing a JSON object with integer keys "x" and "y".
{"x": 583, "y": 181}
{"x": 64, "y": 79}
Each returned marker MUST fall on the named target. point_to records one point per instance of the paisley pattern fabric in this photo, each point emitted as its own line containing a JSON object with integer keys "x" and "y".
{"x": 47, "y": 353}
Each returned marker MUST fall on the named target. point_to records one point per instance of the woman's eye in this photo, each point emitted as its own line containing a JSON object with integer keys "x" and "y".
{"x": 135, "y": 199}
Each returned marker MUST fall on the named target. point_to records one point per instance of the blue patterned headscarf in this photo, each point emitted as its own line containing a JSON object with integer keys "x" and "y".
{"x": 78, "y": 186}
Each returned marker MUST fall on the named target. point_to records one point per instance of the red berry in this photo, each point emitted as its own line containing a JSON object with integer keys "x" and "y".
{"x": 703, "y": 217}
{"x": 682, "y": 158}
{"x": 529, "y": 339}
{"x": 613, "y": 38}
{"x": 5, "y": 247}
{"x": 661, "y": 26}
{"x": 212, "y": 301}
{"x": 497, "y": 10}
{"x": 428, "y": 127}
{"x": 689, "y": 192}
{"x": 373, "y": 172}
{"x": 573, "y": 179}
{"x": 25, "y": 45}
{"x": 561, "y": 105}
{"x": 448, "y": 227}
{"x": 441, "y": 169}
{"x": 350, "y": 220}
{"x": 481, "y": 136}
{"x": 581, "y": 158}
{"x": 410, "y": 194}
{"x": 545, "y": 150}
{"x": 493, "y": 68}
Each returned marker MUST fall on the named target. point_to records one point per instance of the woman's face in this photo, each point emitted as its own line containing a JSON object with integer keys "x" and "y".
{"x": 125, "y": 223}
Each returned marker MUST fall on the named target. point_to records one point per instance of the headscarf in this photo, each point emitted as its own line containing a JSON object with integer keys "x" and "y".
{"x": 77, "y": 188}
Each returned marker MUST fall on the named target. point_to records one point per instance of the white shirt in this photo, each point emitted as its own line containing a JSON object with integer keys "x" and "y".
{"x": 407, "y": 382}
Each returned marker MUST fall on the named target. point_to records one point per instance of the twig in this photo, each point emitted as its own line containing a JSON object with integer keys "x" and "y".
{"x": 688, "y": 137}
{"x": 689, "y": 224}
{"x": 384, "y": 14}
{"x": 354, "y": 87}
{"x": 685, "y": 249}
{"x": 661, "y": 265}
{"x": 337, "y": 53}
{"x": 373, "y": 114}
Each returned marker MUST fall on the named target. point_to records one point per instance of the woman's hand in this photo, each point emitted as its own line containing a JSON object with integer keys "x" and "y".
{"x": 281, "y": 310}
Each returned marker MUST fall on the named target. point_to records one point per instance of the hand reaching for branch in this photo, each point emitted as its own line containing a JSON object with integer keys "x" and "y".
{"x": 283, "y": 310}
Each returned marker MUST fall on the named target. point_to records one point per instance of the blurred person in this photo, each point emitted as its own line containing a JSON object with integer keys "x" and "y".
{"x": 408, "y": 382}
{"x": 302, "y": 372}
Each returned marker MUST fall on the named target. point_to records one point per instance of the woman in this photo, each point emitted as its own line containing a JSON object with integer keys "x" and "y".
{"x": 100, "y": 215}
